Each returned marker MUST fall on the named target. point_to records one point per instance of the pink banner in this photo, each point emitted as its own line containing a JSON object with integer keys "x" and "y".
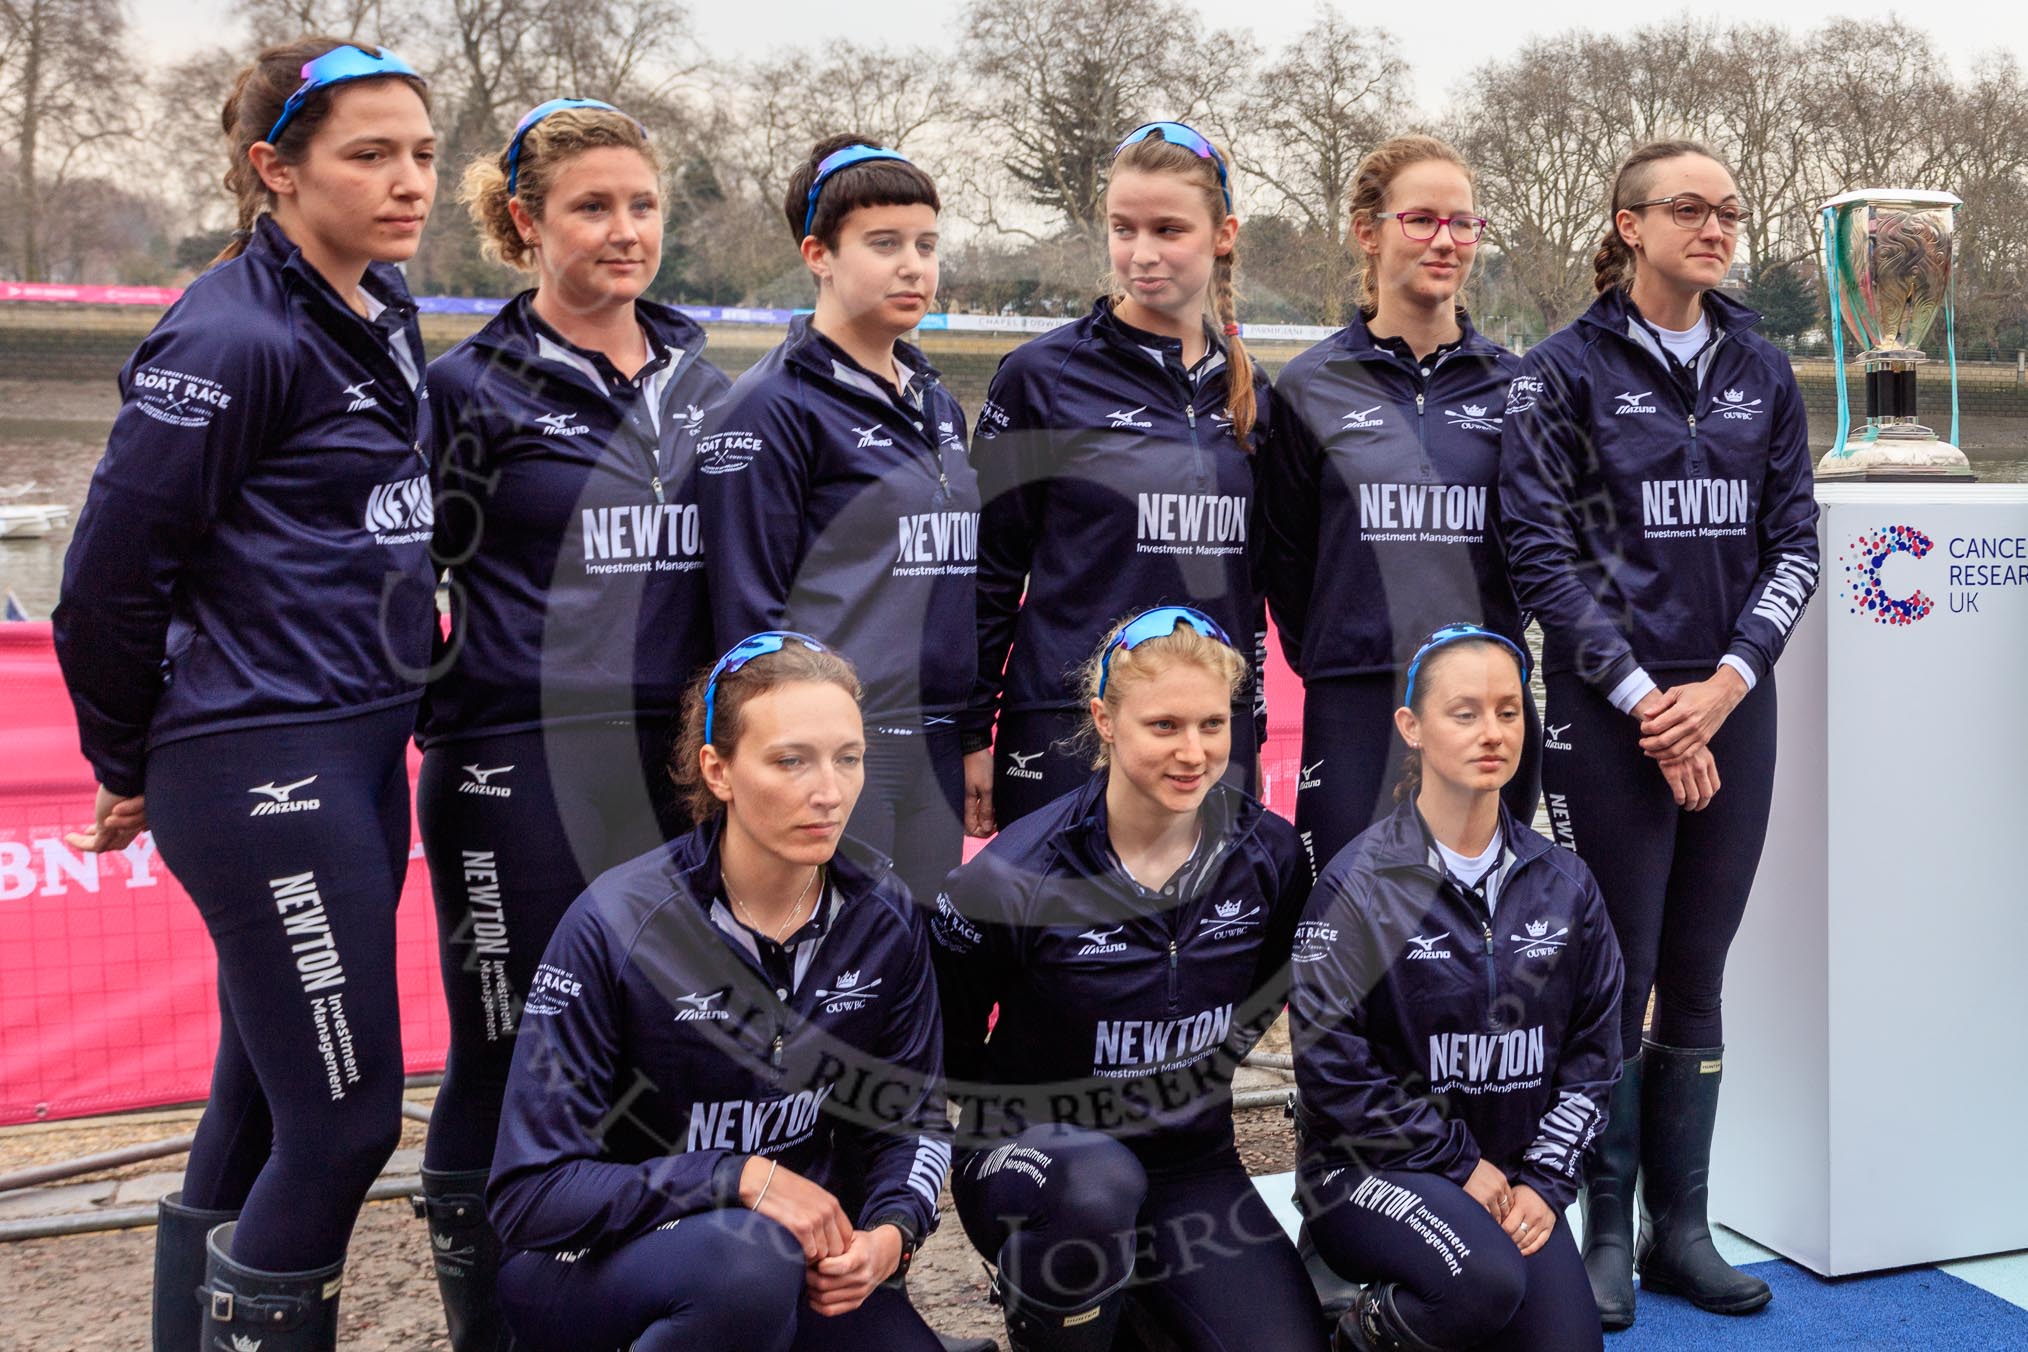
{"x": 91, "y": 295}
{"x": 107, "y": 996}
{"x": 107, "y": 977}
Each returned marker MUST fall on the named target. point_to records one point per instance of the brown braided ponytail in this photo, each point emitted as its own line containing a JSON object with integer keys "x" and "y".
{"x": 1154, "y": 155}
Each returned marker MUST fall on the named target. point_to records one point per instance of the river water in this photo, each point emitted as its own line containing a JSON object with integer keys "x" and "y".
{"x": 52, "y": 433}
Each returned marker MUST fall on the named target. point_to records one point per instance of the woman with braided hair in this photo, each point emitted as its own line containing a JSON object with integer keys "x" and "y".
{"x": 1115, "y": 460}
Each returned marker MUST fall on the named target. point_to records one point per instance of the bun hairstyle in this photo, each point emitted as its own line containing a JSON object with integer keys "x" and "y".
{"x": 1370, "y": 185}
{"x": 255, "y": 105}
{"x": 1410, "y": 783}
{"x": 1184, "y": 646}
{"x": 869, "y": 183}
{"x": 1154, "y": 155}
{"x": 548, "y": 146}
{"x": 793, "y": 662}
{"x": 1613, "y": 264}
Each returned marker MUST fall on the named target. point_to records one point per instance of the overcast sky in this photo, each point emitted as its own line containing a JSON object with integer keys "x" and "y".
{"x": 1440, "y": 41}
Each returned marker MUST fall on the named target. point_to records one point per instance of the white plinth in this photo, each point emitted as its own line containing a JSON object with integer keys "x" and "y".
{"x": 1876, "y": 1002}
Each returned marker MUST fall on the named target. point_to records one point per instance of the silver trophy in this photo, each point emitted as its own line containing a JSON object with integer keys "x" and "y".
{"x": 1887, "y": 265}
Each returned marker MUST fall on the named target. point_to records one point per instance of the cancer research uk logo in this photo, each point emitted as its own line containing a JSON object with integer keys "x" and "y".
{"x": 1863, "y": 561}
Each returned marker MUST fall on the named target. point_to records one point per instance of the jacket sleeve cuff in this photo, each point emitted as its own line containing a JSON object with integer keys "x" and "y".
{"x": 1744, "y": 667}
{"x": 119, "y": 780}
{"x": 1556, "y": 1190}
{"x": 1634, "y": 687}
{"x": 725, "y": 1177}
{"x": 1460, "y": 1169}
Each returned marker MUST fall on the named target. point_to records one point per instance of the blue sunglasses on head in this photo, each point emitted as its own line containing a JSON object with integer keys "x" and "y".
{"x": 1451, "y": 633}
{"x": 337, "y": 66}
{"x": 1157, "y": 623}
{"x": 743, "y": 652}
{"x": 843, "y": 158}
{"x": 1192, "y": 140}
{"x": 542, "y": 110}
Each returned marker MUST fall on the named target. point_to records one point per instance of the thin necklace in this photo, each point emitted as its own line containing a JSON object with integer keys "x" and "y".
{"x": 794, "y": 906}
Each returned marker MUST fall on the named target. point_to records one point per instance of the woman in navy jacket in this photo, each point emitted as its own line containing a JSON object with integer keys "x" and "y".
{"x": 1115, "y": 461}
{"x": 1661, "y": 525}
{"x": 1134, "y": 934}
{"x": 561, "y": 439}
{"x": 245, "y": 624}
{"x": 1380, "y": 518}
{"x": 724, "y": 1128}
{"x": 838, "y": 497}
{"x": 1456, "y": 1023}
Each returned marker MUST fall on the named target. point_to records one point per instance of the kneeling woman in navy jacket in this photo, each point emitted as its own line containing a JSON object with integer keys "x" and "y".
{"x": 1455, "y": 1011}
{"x": 1134, "y": 933}
{"x": 722, "y": 1128}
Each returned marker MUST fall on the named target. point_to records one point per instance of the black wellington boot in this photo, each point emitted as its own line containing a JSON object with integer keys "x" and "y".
{"x": 246, "y": 1310}
{"x": 179, "y": 1271}
{"x": 1373, "y": 1325}
{"x": 1609, "y": 1201}
{"x": 1038, "y": 1326}
{"x": 1679, "y": 1108}
{"x": 467, "y": 1257}
{"x": 953, "y": 1344}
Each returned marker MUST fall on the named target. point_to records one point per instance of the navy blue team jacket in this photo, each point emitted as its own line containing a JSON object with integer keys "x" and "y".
{"x": 1430, "y": 1034}
{"x": 1120, "y": 1009}
{"x": 655, "y": 1057}
{"x": 1658, "y": 516}
{"x": 1380, "y": 516}
{"x": 849, "y": 515}
{"x": 1112, "y": 484}
{"x": 567, "y": 515}
{"x": 254, "y": 548}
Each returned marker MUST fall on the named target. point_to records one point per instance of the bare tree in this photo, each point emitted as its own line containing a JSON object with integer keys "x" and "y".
{"x": 383, "y": 23}
{"x": 1767, "y": 138}
{"x": 898, "y": 97}
{"x": 1543, "y": 154}
{"x": 1062, "y": 79}
{"x": 64, "y": 99}
{"x": 1314, "y": 112}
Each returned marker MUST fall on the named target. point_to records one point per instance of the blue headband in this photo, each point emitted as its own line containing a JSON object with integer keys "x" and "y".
{"x": 335, "y": 67}
{"x": 743, "y": 652}
{"x": 535, "y": 115}
{"x": 1453, "y": 633}
{"x": 1190, "y": 139}
{"x": 842, "y": 159}
{"x": 1157, "y": 623}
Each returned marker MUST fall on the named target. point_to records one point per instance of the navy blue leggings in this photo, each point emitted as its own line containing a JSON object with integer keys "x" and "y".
{"x": 1460, "y": 1282}
{"x": 1675, "y": 882}
{"x": 514, "y": 826}
{"x": 716, "y": 1281}
{"x": 1352, "y": 759}
{"x": 1039, "y": 755}
{"x": 909, "y": 809}
{"x": 293, "y": 842}
{"x": 1070, "y": 1213}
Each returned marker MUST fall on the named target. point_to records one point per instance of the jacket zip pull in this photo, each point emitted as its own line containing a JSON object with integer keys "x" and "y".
{"x": 775, "y": 1051}
{"x": 1693, "y": 440}
{"x": 1172, "y": 973}
{"x": 1492, "y": 980}
{"x": 655, "y": 482}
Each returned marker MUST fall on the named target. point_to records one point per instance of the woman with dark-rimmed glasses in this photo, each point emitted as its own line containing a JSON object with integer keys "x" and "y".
{"x": 1380, "y": 518}
{"x": 1661, "y": 525}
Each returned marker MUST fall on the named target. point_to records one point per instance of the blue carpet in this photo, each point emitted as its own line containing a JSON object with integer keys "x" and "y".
{"x": 1890, "y": 1312}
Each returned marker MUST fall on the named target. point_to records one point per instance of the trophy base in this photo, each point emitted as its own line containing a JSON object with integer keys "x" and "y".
{"x": 1896, "y": 460}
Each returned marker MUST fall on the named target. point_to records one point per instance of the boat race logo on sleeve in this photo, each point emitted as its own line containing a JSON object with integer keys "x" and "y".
{"x": 177, "y": 397}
